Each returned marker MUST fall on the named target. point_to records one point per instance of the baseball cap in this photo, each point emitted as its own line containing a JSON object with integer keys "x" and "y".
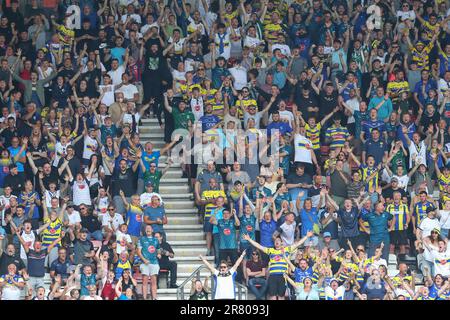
{"x": 394, "y": 180}
{"x": 327, "y": 234}
{"x": 84, "y": 230}
{"x": 149, "y": 184}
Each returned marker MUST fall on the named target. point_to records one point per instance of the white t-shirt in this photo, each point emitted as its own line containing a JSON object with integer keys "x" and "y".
{"x": 60, "y": 151}
{"x": 49, "y": 196}
{"x": 147, "y": 27}
{"x": 45, "y": 74}
{"x": 81, "y": 193}
{"x": 420, "y": 152}
{"x": 116, "y": 75}
{"x": 284, "y": 48}
{"x": 108, "y": 98}
{"x": 225, "y": 285}
{"x": 427, "y": 225}
{"x": 194, "y": 26}
{"x": 10, "y": 291}
{"x": 302, "y": 147}
{"x": 402, "y": 181}
{"x": 122, "y": 240}
{"x": 288, "y": 233}
{"x": 29, "y": 239}
{"x": 112, "y": 222}
{"x": 133, "y": 16}
{"x": 330, "y": 294}
{"x": 252, "y": 42}
{"x": 128, "y": 91}
{"x": 444, "y": 220}
{"x": 443, "y": 86}
{"x": 240, "y": 77}
{"x": 178, "y": 45}
{"x": 441, "y": 262}
{"x": 406, "y": 15}
{"x": 285, "y": 115}
{"x": 90, "y": 147}
{"x": 128, "y": 118}
{"x": 102, "y": 207}
{"x": 197, "y": 107}
{"x": 354, "y": 105}
{"x": 73, "y": 217}
{"x": 4, "y": 202}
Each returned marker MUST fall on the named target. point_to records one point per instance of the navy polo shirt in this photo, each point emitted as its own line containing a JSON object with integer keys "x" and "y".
{"x": 60, "y": 268}
{"x": 376, "y": 149}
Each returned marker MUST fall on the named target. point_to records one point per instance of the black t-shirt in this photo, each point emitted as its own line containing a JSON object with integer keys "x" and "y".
{"x": 6, "y": 260}
{"x": 164, "y": 261}
{"x": 90, "y": 43}
{"x": 27, "y": 48}
{"x": 426, "y": 119}
{"x": 7, "y": 32}
{"x": 52, "y": 177}
{"x": 389, "y": 193}
{"x": 16, "y": 182}
{"x": 74, "y": 165}
{"x": 90, "y": 222}
{"x": 67, "y": 73}
{"x": 125, "y": 182}
{"x": 203, "y": 295}
{"x": 7, "y": 136}
{"x": 294, "y": 178}
{"x": 327, "y": 103}
{"x": 90, "y": 77}
{"x": 306, "y": 102}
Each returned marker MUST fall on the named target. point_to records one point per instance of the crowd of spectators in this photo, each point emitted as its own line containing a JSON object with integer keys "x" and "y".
{"x": 355, "y": 95}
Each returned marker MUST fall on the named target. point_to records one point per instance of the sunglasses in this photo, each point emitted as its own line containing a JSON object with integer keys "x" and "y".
{"x": 83, "y": 208}
{"x": 111, "y": 209}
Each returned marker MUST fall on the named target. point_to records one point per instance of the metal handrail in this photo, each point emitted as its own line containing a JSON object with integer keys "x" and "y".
{"x": 180, "y": 289}
{"x": 242, "y": 290}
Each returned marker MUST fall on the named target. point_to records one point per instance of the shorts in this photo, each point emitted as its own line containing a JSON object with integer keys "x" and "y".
{"x": 399, "y": 237}
{"x": 149, "y": 269}
{"x": 207, "y": 226}
{"x": 276, "y": 285}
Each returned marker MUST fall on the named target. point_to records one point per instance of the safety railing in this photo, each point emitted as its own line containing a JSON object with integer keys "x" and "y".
{"x": 181, "y": 295}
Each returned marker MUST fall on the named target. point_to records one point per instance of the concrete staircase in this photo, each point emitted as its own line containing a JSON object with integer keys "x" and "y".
{"x": 184, "y": 232}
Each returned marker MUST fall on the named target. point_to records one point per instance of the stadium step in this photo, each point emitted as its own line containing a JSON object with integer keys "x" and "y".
{"x": 177, "y": 204}
{"x": 184, "y": 232}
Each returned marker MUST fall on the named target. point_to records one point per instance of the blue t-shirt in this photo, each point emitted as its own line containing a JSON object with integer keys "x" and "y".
{"x": 248, "y": 225}
{"x": 14, "y": 152}
{"x": 300, "y": 274}
{"x": 154, "y": 214}
{"x": 219, "y": 215}
{"x": 118, "y": 53}
{"x": 28, "y": 204}
{"x": 266, "y": 231}
{"x": 227, "y": 234}
{"x": 134, "y": 220}
{"x": 209, "y": 121}
{"x": 378, "y": 226}
{"x": 283, "y": 127}
{"x": 309, "y": 218}
{"x": 149, "y": 248}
